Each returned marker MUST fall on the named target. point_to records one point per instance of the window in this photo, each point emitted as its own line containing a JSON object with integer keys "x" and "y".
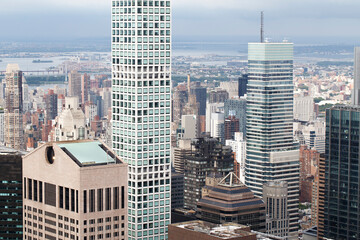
{"x": 116, "y": 197}
{"x": 72, "y": 200}
{"x": 122, "y": 197}
{"x": 61, "y": 197}
{"x": 40, "y": 191}
{"x": 30, "y": 189}
{"x": 85, "y": 201}
{"x": 100, "y": 199}
{"x": 92, "y": 201}
{"x": 50, "y": 194}
{"x": 67, "y": 198}
{"x": 108, "y": 199}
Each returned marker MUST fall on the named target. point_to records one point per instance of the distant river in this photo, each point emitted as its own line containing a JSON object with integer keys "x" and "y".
{"x": 26, "y": 64}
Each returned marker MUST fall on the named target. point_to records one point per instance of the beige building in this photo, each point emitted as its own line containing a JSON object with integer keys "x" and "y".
{"x": 71, "y": 123}
{"x": 14, "y": 130}
{"x": 74, "y": 190}
{"x": 75, "y": 85}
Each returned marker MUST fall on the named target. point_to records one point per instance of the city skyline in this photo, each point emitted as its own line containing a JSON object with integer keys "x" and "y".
{"x": 306, "y": 21}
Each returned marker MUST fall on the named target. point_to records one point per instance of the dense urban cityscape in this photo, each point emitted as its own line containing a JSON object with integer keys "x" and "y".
{"x": 141, "y": 137}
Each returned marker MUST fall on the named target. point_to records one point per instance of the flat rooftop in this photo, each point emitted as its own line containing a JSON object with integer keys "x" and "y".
{"x": 89, "y": 153}
{"x": 222, "y": 231}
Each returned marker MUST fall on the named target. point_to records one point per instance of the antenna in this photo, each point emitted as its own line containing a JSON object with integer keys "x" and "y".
{"x": 262, "y": 27}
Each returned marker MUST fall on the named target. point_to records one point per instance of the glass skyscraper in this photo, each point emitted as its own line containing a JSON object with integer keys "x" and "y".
{"x": 271, "y": 153}
{"x": 141, "y": 92}
{"x": 342, "y": 196}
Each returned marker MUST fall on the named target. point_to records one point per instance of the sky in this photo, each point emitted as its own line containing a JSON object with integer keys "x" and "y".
{"x": 306, "y": 21}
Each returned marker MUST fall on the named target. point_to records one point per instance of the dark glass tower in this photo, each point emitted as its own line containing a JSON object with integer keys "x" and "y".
{"x": 243, "y": 81}
{"x": 342, "y": 196}
{"x": 11, "y": 219}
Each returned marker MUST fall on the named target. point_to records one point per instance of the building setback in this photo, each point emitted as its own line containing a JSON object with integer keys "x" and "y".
{"x": 342, "y": 154}
{"x": 226, "y": 199}
{"x": 74, "y": 190}
{"x": 11, "y": 194}
{"x": 206, "y": 155}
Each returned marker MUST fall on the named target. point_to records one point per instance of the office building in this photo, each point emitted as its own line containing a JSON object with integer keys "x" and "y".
{"x": 200, "y": 96}
{"x": 183, "y": 149}
{"x": 177, "y": 190}
{"x": 269, "y": 133}
{"x": 232, "y": 87}
{"x": 355, "y": 98}
{"x": 231, "y": 126}
{"x": 189, "y": 127}
{"x": 180, "y": 98}
{"x": 210, "y": 109}
{"x": 14, "y": 130}
{"x": 243, "y": 81}
{"x": 11, "y": 194}
{"x": 227, "y": 199}
{"x": 319, "y": 207}
{"x": 74, "y": 87}
{"x": 275, "y": 196}
{"x": 51, "y": 105}
{"x": 197, "y": 229}
{"x": 311, "y": 134}
{"x": 304, "y": 109}
{"x": 74, "y": 190}
{"x": 238, "y": 146}
{"x": 218, "y": 96}
{"x": 317, "y": 194}
{"x": 341, "y": 205}
{"x": 85, "y": 88}
{"x": 141, "y": 112}
{"x": 309, "y": 160}
{"x": 207, "y": 155}
{"x": 236, "y": 107}
{"x": 217, "y": 127}
{"x": 2, "y": 126}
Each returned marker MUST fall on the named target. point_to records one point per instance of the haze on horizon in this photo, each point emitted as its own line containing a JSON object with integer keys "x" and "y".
{"x": 306, "y": 21}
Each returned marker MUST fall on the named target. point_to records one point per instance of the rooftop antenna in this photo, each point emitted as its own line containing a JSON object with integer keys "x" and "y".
{"x": 262, "y": 27}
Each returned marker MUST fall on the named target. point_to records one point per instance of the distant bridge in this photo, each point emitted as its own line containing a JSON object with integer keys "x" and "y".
{"x": 39, "y": 72}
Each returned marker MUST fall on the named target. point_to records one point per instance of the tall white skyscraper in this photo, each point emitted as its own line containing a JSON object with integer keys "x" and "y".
{"x": 355, "y": 98}
{"x": 141, "y": 92}
{"x": 271, "y": 154}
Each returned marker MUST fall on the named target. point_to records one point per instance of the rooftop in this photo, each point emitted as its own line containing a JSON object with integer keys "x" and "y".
{"x": 89, "y": 153}
{"x": 7, "y": 151}
{"x": 222, "y": 231}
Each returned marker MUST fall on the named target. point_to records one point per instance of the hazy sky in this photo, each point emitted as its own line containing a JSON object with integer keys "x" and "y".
{"x": 221, "y": 20}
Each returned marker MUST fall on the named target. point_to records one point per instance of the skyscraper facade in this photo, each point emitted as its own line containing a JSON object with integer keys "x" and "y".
{"x": 355, "y": 98}
{"x": 141, "y": 106}
{"x": 75, "y": 85}
{"x": 14, "y": 131}
{"x": 341, "y": 202}
{"x": 271, "y": 152}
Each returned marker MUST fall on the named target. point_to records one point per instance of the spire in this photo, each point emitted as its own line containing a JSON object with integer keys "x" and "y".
{"x": 262, "y": 27}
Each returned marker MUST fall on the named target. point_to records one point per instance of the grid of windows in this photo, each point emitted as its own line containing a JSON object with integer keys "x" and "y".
{"x": 141, "y": 100}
